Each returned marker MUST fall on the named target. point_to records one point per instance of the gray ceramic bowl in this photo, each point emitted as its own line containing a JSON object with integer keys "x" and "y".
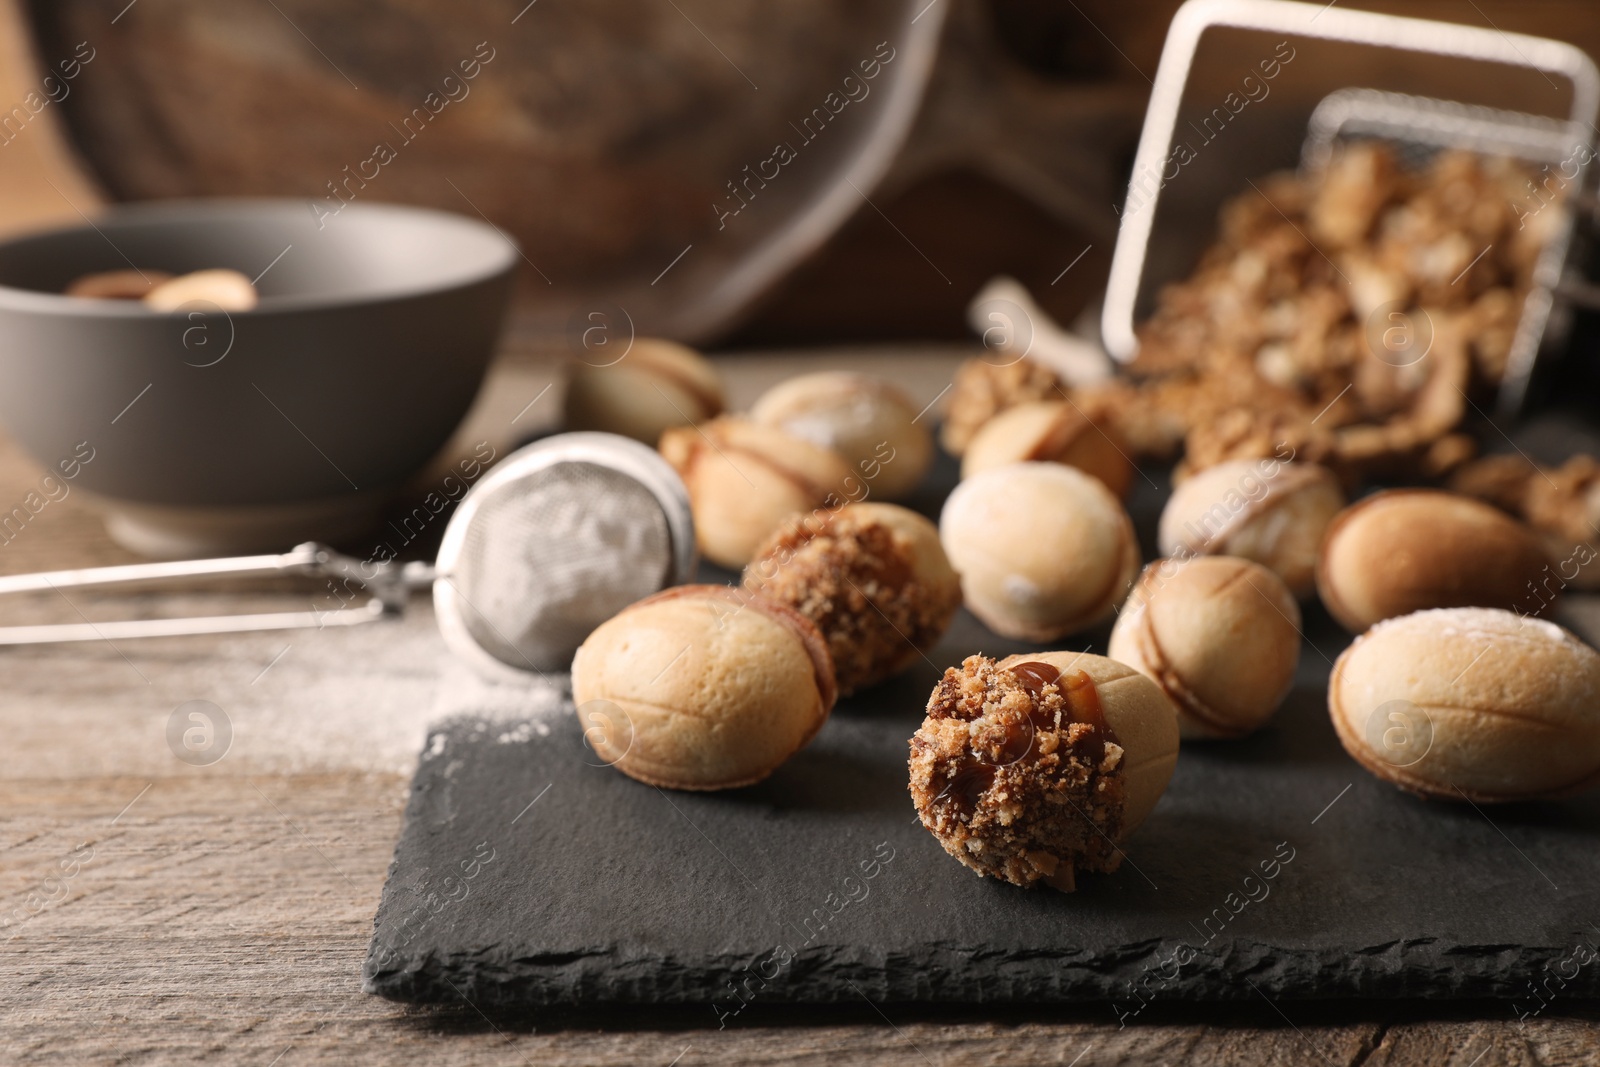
{"x": 236, "y": 432}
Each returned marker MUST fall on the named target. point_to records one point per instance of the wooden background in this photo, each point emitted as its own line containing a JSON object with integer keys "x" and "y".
{"x": 948, "y": 218}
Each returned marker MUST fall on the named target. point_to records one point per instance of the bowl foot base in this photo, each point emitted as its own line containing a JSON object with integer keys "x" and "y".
{"x": 161, "y": 532}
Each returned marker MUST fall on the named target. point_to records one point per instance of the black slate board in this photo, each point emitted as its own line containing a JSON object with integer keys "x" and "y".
{"x": 817, "y": 886}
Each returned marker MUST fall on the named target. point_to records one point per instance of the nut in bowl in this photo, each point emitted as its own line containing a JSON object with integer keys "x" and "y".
{"x": 225, "y": 290}
{"x": 221, "y": 430}
{"x": 117, "y": 284}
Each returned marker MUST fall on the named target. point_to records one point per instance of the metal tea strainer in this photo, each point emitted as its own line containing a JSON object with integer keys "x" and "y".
{"x": 556, "y": 538}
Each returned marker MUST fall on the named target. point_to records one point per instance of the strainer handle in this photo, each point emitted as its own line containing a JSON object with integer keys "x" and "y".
{"x": 302, "y": 559}
{"x": 63, "y": 633}
{"x": 389, "y": 584}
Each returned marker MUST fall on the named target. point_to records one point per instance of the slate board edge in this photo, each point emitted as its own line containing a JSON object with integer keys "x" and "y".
{"x": 1241, "y": 970}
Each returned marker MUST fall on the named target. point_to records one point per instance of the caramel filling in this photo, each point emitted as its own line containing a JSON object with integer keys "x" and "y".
{"x": 977, "y": 774}
{"x": 1034, "y": 676}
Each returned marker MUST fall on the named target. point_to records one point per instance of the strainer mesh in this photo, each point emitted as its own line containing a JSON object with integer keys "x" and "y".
{"x": 553, "y": 554}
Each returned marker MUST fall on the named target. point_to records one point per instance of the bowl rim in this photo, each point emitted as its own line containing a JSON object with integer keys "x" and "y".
{"x": 13, "y": 298}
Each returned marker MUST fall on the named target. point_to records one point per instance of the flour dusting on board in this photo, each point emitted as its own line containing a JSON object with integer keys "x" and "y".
{"x": 365, "y": 699}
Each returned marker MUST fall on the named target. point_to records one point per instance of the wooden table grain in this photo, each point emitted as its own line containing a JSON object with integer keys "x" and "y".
{"x": 159, "y": 912}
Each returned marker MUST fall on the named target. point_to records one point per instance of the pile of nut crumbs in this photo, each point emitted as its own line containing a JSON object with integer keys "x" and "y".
{"x": 1351, "y": 315}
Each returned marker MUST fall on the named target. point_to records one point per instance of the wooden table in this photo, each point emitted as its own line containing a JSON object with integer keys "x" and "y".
{"x": 160, "y": 912}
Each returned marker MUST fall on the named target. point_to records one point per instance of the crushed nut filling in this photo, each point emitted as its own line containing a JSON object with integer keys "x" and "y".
{"x": 1017, "y": 774}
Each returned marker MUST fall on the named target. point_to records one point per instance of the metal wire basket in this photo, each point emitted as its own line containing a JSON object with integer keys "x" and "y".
{"x": 1338, "y": 75}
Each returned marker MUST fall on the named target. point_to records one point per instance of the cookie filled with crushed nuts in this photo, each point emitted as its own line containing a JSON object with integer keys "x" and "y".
{"x": 1038, "y": 766}
{"x": 874, "y": 580}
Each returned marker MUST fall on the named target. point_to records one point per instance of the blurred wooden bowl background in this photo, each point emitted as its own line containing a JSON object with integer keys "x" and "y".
{"x": 601, "y": 135}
